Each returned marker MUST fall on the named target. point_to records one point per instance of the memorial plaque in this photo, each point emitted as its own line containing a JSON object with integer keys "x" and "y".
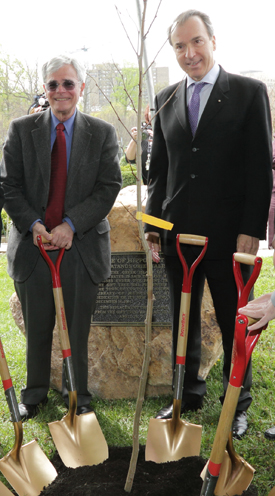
{"x": 123, "y": 300}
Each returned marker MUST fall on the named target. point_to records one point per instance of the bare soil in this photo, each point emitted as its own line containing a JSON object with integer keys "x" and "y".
{"x": 181, "y": 478}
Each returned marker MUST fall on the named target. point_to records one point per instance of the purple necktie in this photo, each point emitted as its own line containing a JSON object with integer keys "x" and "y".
{"x": 194, "y": 106}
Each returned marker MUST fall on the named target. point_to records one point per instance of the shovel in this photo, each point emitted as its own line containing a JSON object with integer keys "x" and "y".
{"x": 4, "y": 491}
{"x": 26, "y": 467}
{"x": 173, "y": 439}
{"x": 78, "y": 438}
{"x": 226, "y": 473}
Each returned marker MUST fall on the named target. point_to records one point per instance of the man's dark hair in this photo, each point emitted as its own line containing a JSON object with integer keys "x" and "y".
{"x": 182, "y": 18}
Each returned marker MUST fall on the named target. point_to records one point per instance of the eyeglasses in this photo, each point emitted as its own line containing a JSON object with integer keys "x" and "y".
{"x": 67, "y": 84}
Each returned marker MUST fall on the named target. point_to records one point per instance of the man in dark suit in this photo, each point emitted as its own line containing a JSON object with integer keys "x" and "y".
{"x": 212, "y": 180}
{"x": 92, "y": 182}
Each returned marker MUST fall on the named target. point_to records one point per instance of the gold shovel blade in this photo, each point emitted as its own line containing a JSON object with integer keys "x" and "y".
{"x": 81, "y": 442}
{"x": 234, "y": 478}
{"x": 29, "y": 473}
{"x": 272, "y": 492}
{"x": 171, "y": 440}
{"x": 4, "y": 491}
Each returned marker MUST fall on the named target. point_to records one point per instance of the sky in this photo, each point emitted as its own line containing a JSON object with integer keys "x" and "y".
{"x": 34, "y": 32}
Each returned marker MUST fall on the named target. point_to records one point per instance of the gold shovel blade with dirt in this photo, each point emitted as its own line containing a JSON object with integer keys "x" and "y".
{"x": 173, "y": 439}
{"x": 78, "y": 438}
{"x": 26, "y": 467}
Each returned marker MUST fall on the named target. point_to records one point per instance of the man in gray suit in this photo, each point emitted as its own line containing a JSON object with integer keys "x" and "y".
{"x": 92, "y": 184}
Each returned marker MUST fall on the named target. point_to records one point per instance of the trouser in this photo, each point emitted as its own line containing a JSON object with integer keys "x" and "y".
{"x": 36, "y": 297}
{"x": 220, "y": 278}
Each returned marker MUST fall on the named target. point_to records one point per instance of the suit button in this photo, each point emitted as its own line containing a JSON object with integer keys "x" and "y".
{"x": 195, "y": 149}
{"x": 192, "y": 176}
{"x": 44, "y": 209}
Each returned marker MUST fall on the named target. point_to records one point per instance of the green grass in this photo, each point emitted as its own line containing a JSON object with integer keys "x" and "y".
{"x": 116, "y": 416}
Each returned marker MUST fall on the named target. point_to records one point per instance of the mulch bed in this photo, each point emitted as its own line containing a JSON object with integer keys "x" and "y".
{"x": 181, "y": 478}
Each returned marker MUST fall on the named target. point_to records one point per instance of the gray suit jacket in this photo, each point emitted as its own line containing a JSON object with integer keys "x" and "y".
{"x": 93, "y": 182}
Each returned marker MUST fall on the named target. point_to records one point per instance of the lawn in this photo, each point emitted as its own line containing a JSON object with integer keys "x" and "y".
{"x": 116, "y": 417}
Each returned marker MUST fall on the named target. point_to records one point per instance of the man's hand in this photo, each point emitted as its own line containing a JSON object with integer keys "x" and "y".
{"x": 247, "y": 244}
{"x": 152, "y": 239}
{"x": 40, "y": 230}
{"x": 60, "y": 237}
{"x": 261, "y": 308}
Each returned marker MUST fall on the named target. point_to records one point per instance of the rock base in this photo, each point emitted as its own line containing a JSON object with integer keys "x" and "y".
{"x": 116, "y": 353}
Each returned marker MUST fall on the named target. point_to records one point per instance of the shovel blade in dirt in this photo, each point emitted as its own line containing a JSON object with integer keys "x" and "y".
{"x": 78, "y": 438}
{"x": 170, "y": 441}
{"x": 79, "y": 441}
{"x": 173, "y": 439}
{"x": 26, "y": 467}
{"x": 234, "y": 477}
{"x": 30, "y": 472}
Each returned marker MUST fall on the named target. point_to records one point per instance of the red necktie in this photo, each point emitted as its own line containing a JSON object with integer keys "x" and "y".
{"x": 55, "y": 207}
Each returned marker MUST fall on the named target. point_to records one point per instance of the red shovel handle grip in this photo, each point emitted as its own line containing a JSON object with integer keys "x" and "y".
{"x": 55, "y": 269}
{"x": 244, "y": 290}
{"x": 191, "y": 239}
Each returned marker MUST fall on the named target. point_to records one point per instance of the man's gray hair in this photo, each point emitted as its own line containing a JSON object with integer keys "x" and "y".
{"x": 182, "y": 18}
{"x": 56, "y": 63}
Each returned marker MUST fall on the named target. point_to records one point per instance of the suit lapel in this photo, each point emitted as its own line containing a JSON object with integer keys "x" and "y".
{"x": 180, "y": 107}
{"x": 41, "y": 136}
{"x": 218, "y": 98}
{"x": 81, "y": 140}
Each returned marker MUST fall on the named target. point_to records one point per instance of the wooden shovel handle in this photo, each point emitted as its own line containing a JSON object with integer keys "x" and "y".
{"x": 11, "y": 399}
{"x": 183, "y": 327}
{"x": 224, "y": 428}
{"x": 44, "y": 240}
{"x": 4, "y": 370}
{"x": 245, "y": 258}
{"x": 192, "y": 239}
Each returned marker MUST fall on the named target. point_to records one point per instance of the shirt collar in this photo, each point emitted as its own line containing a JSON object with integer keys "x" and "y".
{"x": 210, "y": 78}
{"x": 69, "y": 124}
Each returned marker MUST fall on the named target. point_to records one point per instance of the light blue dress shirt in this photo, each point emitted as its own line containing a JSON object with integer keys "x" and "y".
{"x": 210, "y": 78}
{"x": 69, "y": 129}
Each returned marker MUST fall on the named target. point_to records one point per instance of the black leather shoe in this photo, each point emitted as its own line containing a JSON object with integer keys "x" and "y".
{"x": 270, "y": 433}
{"x": 83, "y": 409}
{"x": 167, "y": 411}
{"x": 30, "y": 411}
{"x": 240, "y": 425}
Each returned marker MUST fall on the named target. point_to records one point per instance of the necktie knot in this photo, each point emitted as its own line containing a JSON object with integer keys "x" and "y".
{"x": 198, "y": 88}
{"x": 194, "y": 107}
{"x": 60, "y": 127}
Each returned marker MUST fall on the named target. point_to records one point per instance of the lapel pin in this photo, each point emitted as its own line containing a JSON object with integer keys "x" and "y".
{"x": 219, "y": 101}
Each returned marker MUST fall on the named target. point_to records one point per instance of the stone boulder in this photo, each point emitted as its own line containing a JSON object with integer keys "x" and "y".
{"x": 116, "y": 352}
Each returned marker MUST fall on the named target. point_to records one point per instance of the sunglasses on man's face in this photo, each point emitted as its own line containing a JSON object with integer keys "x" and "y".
{"x": 67, "y": 85}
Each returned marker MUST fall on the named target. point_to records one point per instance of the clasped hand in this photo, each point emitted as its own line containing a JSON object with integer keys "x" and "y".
{"x": 60, "y": 237}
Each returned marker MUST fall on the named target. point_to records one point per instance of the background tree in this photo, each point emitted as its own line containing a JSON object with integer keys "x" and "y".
{"x": 19, "y": 83}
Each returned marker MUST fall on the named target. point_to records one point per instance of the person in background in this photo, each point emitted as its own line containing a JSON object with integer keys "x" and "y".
{"x": 263, "y": 309}
{"x": 1, "y": 206}
{"x": 210, "y": 175}
{"x": 146, "y": 146}
{"x": 271, "y": 217}
{"x": 60, "y": 176}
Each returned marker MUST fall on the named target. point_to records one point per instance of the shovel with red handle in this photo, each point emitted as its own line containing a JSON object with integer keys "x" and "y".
{"x": 173, "y": 439}
{"x": 78, "y": 438}
{"x": 226, "y": 473}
